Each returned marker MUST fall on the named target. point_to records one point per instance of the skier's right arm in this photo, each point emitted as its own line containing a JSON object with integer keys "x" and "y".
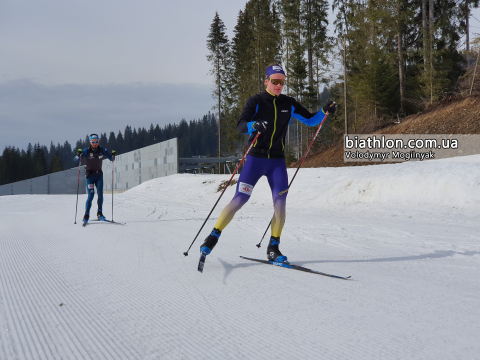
{"x": 245, "y": 122}
{"x": 81, "y": 152}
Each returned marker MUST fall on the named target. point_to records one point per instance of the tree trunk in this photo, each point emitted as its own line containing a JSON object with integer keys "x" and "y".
{"x": 474, "y": 73}
{"x": 467, "y": 31}
{"x": 219, "y": 112}
{"x": 400, "y": 57}
{"x": 258, "y": 48}
{"x": 431, "y": 25}
{"x": 424, "y": 28}
{"x": 309, "y": 48}
{"x": 288, "y": 87}
{"x": 298, "y": 137}
{"x": 345, "y": 80}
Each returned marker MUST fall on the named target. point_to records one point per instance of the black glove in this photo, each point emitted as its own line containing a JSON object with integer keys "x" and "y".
{"x": 114, "y": 153}
{"x": 260, "y": 126}
{"x": 330, "y": 107}
{"x": 79, "y": 152}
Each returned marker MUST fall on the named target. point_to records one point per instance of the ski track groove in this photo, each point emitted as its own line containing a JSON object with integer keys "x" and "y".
{"x": 182, "y": 320}
{"x": 18, "y": 297}
{"x": 23, "y": 294}
{"x": 13, "y": 335}
{"x": 50, "y": 279}
{"x": 46, "y": 296}
{"x": 83, "y": 309}
{"x": 29, "y": 248}
{"x": 152, "y": 295}
{"x": 212, "y": 309}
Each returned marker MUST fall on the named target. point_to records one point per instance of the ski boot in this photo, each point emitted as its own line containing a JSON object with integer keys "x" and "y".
{"x": 273, "y": 251}
{"x": 100, "y": 215}
{"x": 85, "y": 219}
{"x": 210, "y": 242}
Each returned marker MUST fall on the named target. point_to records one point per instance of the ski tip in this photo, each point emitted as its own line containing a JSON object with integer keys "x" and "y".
{"x": 201, "y": 262}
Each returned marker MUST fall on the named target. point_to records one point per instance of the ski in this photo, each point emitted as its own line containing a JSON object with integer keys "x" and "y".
{"x": 85, "y": 223}
{"x": 201, "y": 262}
{"x": 295, "y": 267}
{"x": 111, "y": 221}
{"x": 104, "y": 220}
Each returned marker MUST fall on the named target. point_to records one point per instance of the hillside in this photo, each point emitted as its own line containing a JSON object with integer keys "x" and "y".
{"x": 449, "y": 116}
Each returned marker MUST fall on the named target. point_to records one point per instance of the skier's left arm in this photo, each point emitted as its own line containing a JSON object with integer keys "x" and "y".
{"x": 306, "y": 117}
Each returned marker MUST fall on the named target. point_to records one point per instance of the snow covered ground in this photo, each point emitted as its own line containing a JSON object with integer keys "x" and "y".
{"x": 408, "y": 234}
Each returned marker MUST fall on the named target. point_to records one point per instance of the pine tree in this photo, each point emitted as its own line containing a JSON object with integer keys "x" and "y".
{"x": 256, "y": 43}
{"x": 314, "y": 22}
{"x": 68, "y": 154}
{"x": 39, "y": 161}
{"x": 3, "y": 169}
{"x": 119, "y": 143}
{"x": 111, "y": 141}
{"x": 135, "y": 140}
{"x": 103, "y": 140}
{"x": 219, "y": 57}
{"x": 150, "y": 135}
{"x": 128, "y": 139}
{"x": 56, "y": 163}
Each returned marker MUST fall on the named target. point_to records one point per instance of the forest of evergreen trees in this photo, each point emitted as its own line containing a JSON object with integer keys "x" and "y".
{"x": 387, "y": 59}
{"x": 197, "y": 137}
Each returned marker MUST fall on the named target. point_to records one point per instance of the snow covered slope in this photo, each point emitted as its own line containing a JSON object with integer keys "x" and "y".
{"x": 409, "y": 234}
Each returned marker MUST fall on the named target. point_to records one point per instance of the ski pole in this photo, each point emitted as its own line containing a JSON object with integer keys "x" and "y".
{"x": 78, "y": 186}
{"x": 253, "y": 142}
{"x": 113, "y": 166}
{"x": 298, "y": 168}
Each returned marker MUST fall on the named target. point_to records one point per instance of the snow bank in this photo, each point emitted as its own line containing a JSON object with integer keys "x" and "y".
{"x": 431, "y": 185}
{"x": 436, "y": 185}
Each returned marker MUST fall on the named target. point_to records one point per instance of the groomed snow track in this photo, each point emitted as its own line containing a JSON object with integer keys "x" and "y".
{"x": 407, "y": 233}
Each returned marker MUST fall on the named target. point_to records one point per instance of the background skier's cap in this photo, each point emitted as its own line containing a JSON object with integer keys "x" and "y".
{"x": 274, "y": 69}
{"x": 93, "y": 136}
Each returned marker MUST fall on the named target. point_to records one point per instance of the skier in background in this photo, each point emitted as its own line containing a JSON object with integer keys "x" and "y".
{"x": 94, "y": 156}
{"x": 268, "y": 113}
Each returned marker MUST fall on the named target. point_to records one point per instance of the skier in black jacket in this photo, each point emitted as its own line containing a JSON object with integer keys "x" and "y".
{"x": 94, "y": 156}
{"x": 269, "y": 113}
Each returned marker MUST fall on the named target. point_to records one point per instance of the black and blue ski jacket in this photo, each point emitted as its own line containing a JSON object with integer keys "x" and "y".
{"x": 278, "y": 111}
{"x": 93, "y": 159}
